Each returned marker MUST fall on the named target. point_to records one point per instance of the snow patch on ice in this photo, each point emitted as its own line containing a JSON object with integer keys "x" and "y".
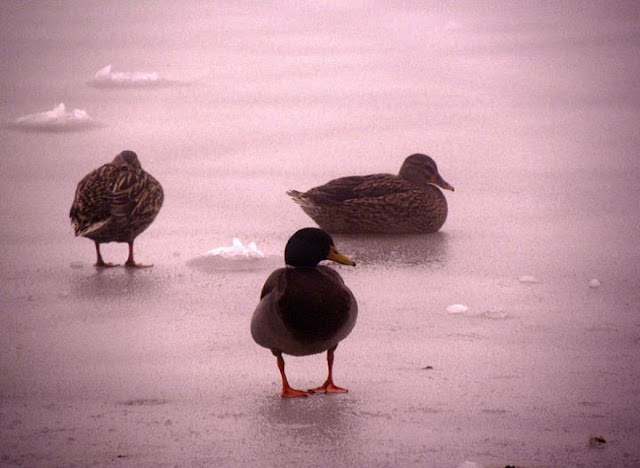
{"x": 235, "y": 257}
{"x": 57, "y": 119}
{"x": 492, "y": 314}
{"x": 469, "y": 464}
{"x": 237, "y": 250}
{"x": 107, "y": 78}
{"x": 528, "y": 279}
{"x": 457, "y": 308}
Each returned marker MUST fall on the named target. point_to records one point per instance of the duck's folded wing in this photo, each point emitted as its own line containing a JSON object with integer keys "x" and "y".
{"x": 135, "y": 193}
{"x": 91, "y": 200}
{"x": 381, "y": 185}
{"x": 274, "y": 280}
{"x": 355, "y": 187}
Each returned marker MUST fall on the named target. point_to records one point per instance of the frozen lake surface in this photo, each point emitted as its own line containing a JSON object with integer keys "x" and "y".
{"x": 510, "y": 337}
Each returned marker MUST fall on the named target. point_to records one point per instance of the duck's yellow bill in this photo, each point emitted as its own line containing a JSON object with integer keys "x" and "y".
{"x": 337, "y": 257}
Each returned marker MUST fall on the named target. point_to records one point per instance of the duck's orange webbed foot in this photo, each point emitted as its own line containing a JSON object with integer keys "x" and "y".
{"x": 329, "y": 387}
{"x": 293, "y": 393}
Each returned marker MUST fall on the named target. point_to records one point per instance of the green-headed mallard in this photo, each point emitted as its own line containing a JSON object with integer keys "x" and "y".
{"x": 115, "y": 203}
{"x": 405, "y": 203}
{"x": 305, "y": 308}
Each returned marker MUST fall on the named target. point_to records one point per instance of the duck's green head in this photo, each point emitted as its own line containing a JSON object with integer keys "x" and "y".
{"x": 127, "y": 157}
{"x": 421, "y": 169}
{"x": 309, "y": 246}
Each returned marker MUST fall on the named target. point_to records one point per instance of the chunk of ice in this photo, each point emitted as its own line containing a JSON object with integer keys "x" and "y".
{"x": 528, "y": 279}
{"x": 107, "y": 78}
{"x": 56, "y": 119}
{"x": 469, "y": 464}
{"x": 237, "y": 250}
{"x": 457, "y": 308}
{"x": 594, "y": 283}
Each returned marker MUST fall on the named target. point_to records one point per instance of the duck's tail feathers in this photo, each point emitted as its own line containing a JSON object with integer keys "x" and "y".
{"x": 299, "y": 198}
{"x": 85, "y": 230}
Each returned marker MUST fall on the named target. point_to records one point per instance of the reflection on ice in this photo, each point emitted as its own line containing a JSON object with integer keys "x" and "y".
{"x": 56, "y": 120}
{"x": 113, "y": 283}
{"x": 422, "y": 250}
{"x": 319, "y": 421}
{"x": 106, "y": 78}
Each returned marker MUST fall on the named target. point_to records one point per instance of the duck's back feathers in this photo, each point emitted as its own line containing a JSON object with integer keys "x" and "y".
{"x": 115, "y": 203}
{"x": 344, "y": 189}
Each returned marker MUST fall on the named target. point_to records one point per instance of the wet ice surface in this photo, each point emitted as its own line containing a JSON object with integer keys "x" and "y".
{"x": 156, "y": 367}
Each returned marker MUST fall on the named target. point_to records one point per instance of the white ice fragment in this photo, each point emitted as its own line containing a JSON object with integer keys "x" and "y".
{"x": 495, "y": 314}
{"x": 469, "y": 464}
{"x": 106, "y": 77}
{"x": 106, "y": 71}
{"x": 594, "y": 283}
{"x": 237, "y": 250}
{"x": 528, "y": 279}
{"x": 56, "y": 119}
{"x": 457, "y": 308}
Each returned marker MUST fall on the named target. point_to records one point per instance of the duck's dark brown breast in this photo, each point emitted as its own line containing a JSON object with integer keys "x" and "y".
{"x": 314, "y": 305}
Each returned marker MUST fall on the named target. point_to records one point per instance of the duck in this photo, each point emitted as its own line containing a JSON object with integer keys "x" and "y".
{"x": 116, "y": 203}
{"x": 305, "y": 308}
{"x": 408, "y": 203}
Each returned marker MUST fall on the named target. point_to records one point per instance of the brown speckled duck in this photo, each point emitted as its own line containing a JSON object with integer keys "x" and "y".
{"x": 115, "y": 203}
{"x": 305, "y": 308}
{"x": 407, "y": 203}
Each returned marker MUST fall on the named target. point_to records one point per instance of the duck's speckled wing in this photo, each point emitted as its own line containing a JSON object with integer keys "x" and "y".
{"x": 135, "y": 194}
{"x": 91, "y": 204}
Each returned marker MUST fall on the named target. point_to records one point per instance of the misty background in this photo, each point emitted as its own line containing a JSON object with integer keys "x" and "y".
{"x": 530, "y": 110}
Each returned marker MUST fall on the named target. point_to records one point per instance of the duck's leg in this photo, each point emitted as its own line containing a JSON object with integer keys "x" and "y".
{"x": 328, "y": 386}
{"x": 130, "y": 262}
{"x": 100, "y": 262}
{"x": 287, "y": 391}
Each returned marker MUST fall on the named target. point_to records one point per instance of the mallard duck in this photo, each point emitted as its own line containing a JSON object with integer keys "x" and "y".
{"x": 115, "y": 203}
{"x": 305, "y": 308}
{"x": 405, "y": 203}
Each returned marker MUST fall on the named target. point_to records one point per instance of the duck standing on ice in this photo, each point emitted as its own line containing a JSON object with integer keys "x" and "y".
{"x": 305, "y": 308}
{"x": 115, "y": 203}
